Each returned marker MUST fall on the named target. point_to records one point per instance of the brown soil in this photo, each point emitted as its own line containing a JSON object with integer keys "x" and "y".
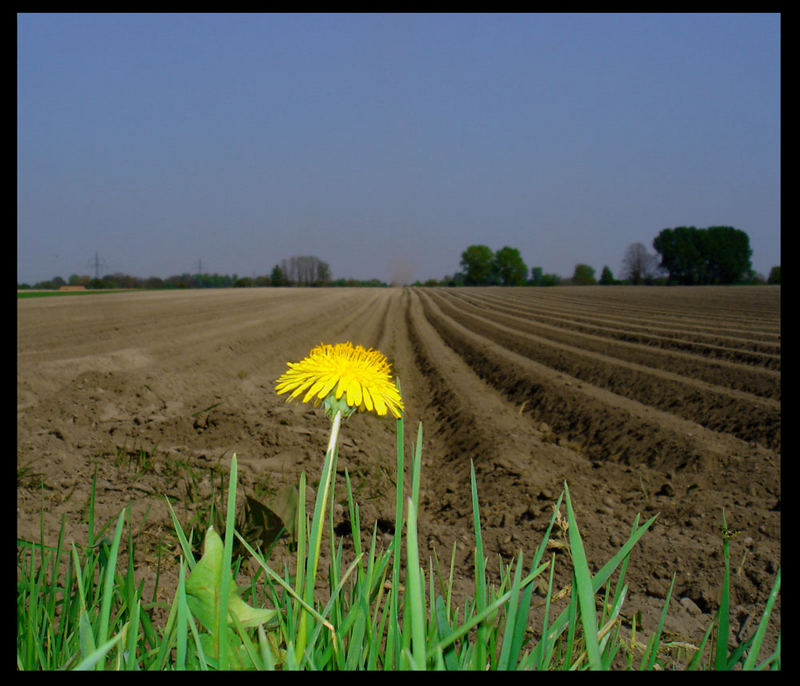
{"x": 644, "y": 400}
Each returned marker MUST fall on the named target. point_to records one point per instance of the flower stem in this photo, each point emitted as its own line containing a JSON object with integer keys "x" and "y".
{"x": 327, "y": 475}
{"x": 316, "y": 529}
{"x": 335, "y": 424}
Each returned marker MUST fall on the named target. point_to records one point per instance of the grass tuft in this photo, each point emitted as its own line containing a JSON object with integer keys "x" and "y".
{"x": 82, "y": 609}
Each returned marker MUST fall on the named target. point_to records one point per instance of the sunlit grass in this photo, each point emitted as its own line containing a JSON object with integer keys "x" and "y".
{"x": 79, "y": 606}
{"x": 47, "y": 294}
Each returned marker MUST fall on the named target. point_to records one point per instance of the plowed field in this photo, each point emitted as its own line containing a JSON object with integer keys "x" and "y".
{"x": 644, "y": 400}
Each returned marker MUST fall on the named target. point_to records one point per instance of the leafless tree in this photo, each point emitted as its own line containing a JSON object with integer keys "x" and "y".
{"x": 305, "y": 270}
{"x": 638, "y": 265}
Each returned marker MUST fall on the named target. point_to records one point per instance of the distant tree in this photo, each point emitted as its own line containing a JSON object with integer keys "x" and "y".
{"x": 456, "y": 279}
{"x": 55, "y": 283}
{"x": 121, "y": 280}
{"x": 244, "y": 282}
{"x": 550, "y": 280}
{"x": 509, "y": 267}
{"x": 753, "y": 278}
{"x": 606, "y": 277}
{"x": 774, "y": 275}
{"x": 305, "y": 270}
{"x": 536, "y": 276}
{"x": 178, "y": 281}
{"x": 277, "y": 277}
{"x": 728, "y": 253}
{"x": 478, "y": 264}
{"x": 716, "y": 255}
{"x": 154, "y": 282}
{"x": 681, "y": 253}
{"x": 583, "y": 275}
{"x": 638, "y": 265}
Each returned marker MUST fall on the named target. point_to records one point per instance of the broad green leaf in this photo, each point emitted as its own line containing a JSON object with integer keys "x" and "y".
{"x": 202, "y": 590}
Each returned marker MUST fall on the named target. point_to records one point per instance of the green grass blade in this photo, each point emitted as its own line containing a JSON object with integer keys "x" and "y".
{"x": 448, "y": 655}
{"x": 182, "y": 620}
{"x": 267, "y": 657}
{"x": 584, "y": 589}
{"x": 284, "y": 584}
{"x": 393, "y": 639}
{"x": 773, "y": 662}
{"x": 300, "y": 553}
{"x": 750, "y": 661}
{"x": 610, "y": 642}
{"x": 545, "y": 647}
{"x": 476, "y": 618}
{"x": 480, "y": 654}
{"x": 133, "y": 636}
{"x": 56, "y": 559}
{"x": 415, "y": 600}
{"x": 694, "y": 663}
{"x": 97, "y": 656}
{"x": 416, "y": 468}
{"x": 184, "y": 543}
{"x": 480, "y": 561}
{"x": 561, "y": 622}
{"x": 108, "y": 583}
{"x": 508, "y": 660}
{"x": 225, "y": 571}
{"x": 572, "y": 623}
{"x": 87, "y": 641}
{"x": 723, "y": 622}
{"x": 657, "y": 636}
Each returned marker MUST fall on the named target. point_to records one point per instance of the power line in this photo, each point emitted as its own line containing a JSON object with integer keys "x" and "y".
{"x": 97, "y": 262}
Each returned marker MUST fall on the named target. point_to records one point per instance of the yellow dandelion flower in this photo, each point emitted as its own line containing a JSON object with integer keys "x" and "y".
{"x": 343, "y": 372}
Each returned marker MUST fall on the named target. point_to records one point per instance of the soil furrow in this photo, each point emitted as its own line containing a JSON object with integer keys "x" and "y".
{"x": 739, "y": 309}
{"x": 607, "y": 425}
{"x": 762, "y": 339}
{"x": 469, "y": 422}
{"x": 747, "y": 417}
{"x": 761, "y": 382}
{"x": 749, "y": 351}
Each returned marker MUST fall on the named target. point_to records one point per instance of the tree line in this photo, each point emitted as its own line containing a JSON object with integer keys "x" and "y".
{"x": 300, "y": 270}
{"x": 683, "y": 255}
{"x": 687, "y": 255}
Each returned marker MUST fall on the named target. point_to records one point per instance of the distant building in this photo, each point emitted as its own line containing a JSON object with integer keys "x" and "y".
{"x": 72, "y": 288}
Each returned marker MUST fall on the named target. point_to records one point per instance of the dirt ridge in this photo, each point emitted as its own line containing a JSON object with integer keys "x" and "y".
{"x": 745, "y": 416}
{"x": 754, "y": 351}
{"x": 739, "y": 375}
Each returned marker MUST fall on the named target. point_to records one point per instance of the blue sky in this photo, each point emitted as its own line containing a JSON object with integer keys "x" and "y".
{"x": 386, "y": 144}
